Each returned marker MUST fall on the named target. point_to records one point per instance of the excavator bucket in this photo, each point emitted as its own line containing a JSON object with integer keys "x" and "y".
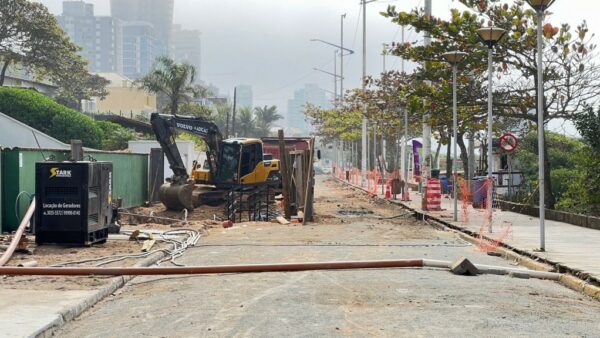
{"x": 177, "y": 196}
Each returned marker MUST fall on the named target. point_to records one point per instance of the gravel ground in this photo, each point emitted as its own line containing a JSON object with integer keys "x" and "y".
{"x": 358, "y": 303}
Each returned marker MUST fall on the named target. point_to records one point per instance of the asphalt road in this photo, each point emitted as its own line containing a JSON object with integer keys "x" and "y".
{"x": 358, "y": 303}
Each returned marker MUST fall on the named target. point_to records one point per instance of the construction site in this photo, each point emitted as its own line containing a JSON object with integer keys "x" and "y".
{"x": 363, "y": 264}
{"x": 175, "y": 168}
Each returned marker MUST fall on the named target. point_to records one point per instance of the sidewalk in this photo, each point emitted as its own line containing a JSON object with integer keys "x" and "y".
{"x": 575, "y": 247}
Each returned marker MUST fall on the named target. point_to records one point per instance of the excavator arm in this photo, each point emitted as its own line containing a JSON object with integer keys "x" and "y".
{"x": 163, "y": 126}
{"x": 178, "y": 194}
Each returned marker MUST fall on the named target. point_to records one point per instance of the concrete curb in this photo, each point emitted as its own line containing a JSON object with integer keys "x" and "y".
{"x": 88, "y": 302}
{"x": 530, "y": 261}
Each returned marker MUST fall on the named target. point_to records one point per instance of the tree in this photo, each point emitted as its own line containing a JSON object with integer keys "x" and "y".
{"x": 265, "y": 117}
{"x": 246, "y": 123}
{"x": 31, "y": 37}
{"x": 571, "y": 77}
{"x": 175, "y": 81}
{"x": 221, "y": 116}
{"x": 77, "y": 85}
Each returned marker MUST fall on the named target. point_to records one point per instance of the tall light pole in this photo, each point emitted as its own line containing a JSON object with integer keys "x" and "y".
{"x": 454, "y": 58}
{"x": 342, "y": 49}
{"x": 363, "y": 164}
{"x": 426, "y": 161}
{"x": 540, "y": 6}
{"x": 490, "y": 37}
{"x": 343, "y": 16}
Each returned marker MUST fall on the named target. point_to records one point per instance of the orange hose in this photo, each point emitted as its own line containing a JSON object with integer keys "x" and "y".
{"x": 13, "y": 244}
{"x": 194, "y": 270}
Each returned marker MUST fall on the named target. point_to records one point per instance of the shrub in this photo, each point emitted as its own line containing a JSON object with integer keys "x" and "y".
{"x": 60, "y": 122}
{"x": 45, "y": 115}
{"x": 114, "y": 136}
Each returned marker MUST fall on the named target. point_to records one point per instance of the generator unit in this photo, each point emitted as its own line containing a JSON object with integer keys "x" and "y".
{"x": 73, "y": 202}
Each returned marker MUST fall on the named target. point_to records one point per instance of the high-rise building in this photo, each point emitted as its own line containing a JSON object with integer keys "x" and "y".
{"x": 100, "y": 37}
{"x": 244, "y": 97}
{"x": 158, "y": 13}
{"x": 139, "y": 48}
{"x": 186, "y": 47}
{"x": 311, "y": 93}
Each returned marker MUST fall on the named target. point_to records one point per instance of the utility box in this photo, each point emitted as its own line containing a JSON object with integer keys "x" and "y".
{"x": 73, "y": 202}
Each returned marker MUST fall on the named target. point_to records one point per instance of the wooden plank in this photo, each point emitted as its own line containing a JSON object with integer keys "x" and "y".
{"x": 308, "y": 199}
{"x": 284, "y": 175}
{"x": 300, "y": 180}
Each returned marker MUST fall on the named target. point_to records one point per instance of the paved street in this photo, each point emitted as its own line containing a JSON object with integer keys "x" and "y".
{"x": 385, "y": 302}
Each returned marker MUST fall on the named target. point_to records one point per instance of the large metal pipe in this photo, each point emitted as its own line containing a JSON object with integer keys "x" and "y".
{"x": 194, "y": 270}
{"x": 20, "y": 230}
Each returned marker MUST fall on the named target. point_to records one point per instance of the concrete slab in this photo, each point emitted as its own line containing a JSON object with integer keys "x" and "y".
{"x": 27, "y": 313}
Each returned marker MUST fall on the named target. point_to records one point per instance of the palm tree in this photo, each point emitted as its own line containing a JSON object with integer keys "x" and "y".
{"x": 246, "y": 123}
{"x": 174, "y": 80}
{"x": 265, "y": 116}
{"x": 221, "y": 117}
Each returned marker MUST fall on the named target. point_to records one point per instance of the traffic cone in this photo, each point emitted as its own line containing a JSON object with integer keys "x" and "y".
{"x": 388, "y": 192}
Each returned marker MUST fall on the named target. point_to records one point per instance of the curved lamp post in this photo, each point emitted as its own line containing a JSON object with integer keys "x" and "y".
{"x": 540, "y": 6}
{"x": 490, "y": 37}
{"x": 454, "y": 58}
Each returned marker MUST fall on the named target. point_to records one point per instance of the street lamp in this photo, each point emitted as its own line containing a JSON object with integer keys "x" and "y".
{"x": 454, "y": 58}
{"x": 490, "y": 37}
{"x": 540, "y": 6}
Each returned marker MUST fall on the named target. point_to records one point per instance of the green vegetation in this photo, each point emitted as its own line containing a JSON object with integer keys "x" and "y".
{"x": 570, "y": 81}
{"x": 175, "y": 81}
{"x": 31, "y": 37}
{"x": 60, "y": 122}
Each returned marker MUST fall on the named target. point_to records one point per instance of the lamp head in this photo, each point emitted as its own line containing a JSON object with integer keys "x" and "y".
{"x": 491, "y": 35}
{"x": 540, "y": 5}
{"x": 454, "y": 57}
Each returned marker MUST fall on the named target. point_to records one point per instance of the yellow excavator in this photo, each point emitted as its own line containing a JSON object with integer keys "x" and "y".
{"x": 232, "y": 163}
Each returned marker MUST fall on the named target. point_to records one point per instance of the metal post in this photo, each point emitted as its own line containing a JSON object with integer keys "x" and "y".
{"x": 471, "y": 155}
{"x": 489, "y": 139}
{"x": 374, "y": 145}
{"x": 335, "y": 76}
{"x": 426, "y": 165}
{"x": 404, "y": 151}
{"x": 540, "y": 111}
{"x": 364, "y": 75}
{"x": 455, "y": 137}
{"x": 342, "y": 59}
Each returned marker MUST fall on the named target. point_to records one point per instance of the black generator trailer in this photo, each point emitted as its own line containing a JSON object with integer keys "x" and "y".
{"x": 73, "y": 202}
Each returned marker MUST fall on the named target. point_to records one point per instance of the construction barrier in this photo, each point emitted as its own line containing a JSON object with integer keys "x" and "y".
{"x": 433, "y": 195}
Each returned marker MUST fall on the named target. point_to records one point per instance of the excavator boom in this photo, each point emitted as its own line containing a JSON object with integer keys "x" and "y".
{"x": 177, "y": 194}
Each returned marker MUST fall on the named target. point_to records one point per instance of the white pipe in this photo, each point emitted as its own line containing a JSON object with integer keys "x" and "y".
{"x": 495, "y": 270}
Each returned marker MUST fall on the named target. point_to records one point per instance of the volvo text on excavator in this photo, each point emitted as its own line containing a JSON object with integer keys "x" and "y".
{"x": 231, "y": 163}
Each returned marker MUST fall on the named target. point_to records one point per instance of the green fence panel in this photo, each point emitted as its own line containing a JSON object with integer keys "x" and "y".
{"x": 130, "y": 176}
{"x": 130, "y": 172}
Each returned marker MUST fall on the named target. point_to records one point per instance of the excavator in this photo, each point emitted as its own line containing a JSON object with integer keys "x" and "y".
{"x": 231, "y": 163}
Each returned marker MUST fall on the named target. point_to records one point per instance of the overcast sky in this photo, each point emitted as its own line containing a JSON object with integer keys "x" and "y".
{"x": 265, "y": 43}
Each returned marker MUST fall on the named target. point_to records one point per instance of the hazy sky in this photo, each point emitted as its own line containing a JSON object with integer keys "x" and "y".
{"x": 265, "y": 43}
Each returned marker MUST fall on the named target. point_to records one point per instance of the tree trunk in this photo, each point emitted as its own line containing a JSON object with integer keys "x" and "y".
{"x": 3, "y": 72}
{"x": 437, "y": 156}
{"x": 174, "y": 105}
{"x": 464, "y": 154}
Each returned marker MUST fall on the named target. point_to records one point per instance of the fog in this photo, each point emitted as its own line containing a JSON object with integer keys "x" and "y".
{"x": 266, "y": 43}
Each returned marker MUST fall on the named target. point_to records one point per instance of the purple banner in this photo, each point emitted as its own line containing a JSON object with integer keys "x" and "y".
{"x": 416, "y": 146}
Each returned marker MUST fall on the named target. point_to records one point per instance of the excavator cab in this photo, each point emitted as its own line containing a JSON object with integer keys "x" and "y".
{"x": 241, "y": 163}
